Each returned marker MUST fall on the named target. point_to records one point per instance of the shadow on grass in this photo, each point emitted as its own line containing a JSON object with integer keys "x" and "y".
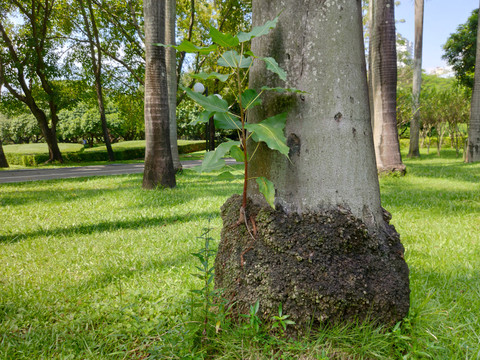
{"x": 190, "y": 185}
{"x": 456, "y": 171}
{"x": 108, "y": 226}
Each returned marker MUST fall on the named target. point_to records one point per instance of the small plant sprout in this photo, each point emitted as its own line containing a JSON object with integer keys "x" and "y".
{"x": 254, "y": 321}
{"x": 233, "y": 65}
{"x": 281, "y": 321}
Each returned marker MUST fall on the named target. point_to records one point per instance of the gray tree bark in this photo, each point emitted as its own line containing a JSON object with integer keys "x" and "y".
{"x": 327, "y": 252}
{"x": 3, "y": 158}
{"x": 414, "y": 150}
{"x": 171, "y": 62}
{"x": 473, "y": 146}
{"x": 383, "y": 80}
{"x": 159, "y": 169}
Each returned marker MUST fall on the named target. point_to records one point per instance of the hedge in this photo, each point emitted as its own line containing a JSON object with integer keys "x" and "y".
{"x": 98, "y": 155}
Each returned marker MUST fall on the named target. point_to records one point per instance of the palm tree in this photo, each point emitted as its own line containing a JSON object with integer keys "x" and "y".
{"x": 417, "y": 81}
{"x": 172, "y": 80}
{"x": 473, "y": 147}
{"x": 159, "y": 169}
{"x": 383, "y": 80}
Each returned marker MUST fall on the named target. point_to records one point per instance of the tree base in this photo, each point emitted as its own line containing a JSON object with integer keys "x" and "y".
{"x": 323, "y": 267}
{"x": 400, "y": 170}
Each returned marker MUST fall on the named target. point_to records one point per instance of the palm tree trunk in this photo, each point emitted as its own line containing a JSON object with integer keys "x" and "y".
{"x": 473, "y": 146}
{"x": 383, "y": 79}
{"x": 159, "y": 169}
{"x": 171, "y": 62}
{"x": 414, "y": 150}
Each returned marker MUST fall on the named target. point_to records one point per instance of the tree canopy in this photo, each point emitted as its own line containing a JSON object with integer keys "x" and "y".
{"x": 460, "y": 50}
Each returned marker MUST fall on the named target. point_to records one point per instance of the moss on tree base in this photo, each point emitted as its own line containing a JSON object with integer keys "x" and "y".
{"x": 323, "y": 267}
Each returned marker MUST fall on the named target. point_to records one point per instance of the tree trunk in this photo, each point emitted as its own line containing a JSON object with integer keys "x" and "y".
{"x": 171, "y": 61}
{"x": 159, "y": 169}
{"x": 417, "y": 81}
{"x": 327, "y": 253}
{"x": 383, "y": 72}
{"x": 473, "y": 147}
{"x": 96, "y": 58}
{"x": 3, "y": 159}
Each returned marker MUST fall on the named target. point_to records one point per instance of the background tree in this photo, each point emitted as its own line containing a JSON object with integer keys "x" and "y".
{"x": 91, "y": 30}
{"x": 28, "y": 57}
{"x": 383, "y": 80}
{"x": 473, "y": 146}
{"x": 460, "y": 50}
{"x": 159, "y": 169}
{"x": 300, "y": 255}
{"x": 171, "y": 62}
{"x": 414, "y": 149}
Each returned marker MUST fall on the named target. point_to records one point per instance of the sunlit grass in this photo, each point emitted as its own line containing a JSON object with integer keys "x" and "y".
{"x": 97, "y": 268}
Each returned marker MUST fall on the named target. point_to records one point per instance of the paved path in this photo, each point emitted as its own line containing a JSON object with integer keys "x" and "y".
{"x": 12, "y": 176}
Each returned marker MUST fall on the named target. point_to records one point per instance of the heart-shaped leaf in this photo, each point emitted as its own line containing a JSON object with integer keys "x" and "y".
{"x": 232, "y": 59}
{"x": 227, "y": 121}
{"x": 237, "y": 154}
{"x": 210, "y": 103}
{"x": 213, "y": 160}
{"x": 225, "y": 40}
{"x": 270, "y": 131}
{"x": 257, "y": 31}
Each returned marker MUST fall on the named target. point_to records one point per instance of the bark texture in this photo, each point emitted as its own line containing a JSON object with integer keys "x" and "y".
{"x": 383, "y": 76}
{"x": 414, "y": 150}
{"x": 171, "y": 62}
{"x": 326, "y": 253}
{"x": 159, "y": 169}
{"x": 473, "y": 146}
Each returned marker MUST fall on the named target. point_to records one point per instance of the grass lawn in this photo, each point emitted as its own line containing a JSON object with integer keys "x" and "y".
{"x": 97, "y": 268}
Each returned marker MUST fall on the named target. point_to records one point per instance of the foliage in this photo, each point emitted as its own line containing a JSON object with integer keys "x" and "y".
{"x": 19, "y": 130}
{"x": 230, "y": 54}
{"x": 97, "y": 283}
{"x": 460, "y": 50}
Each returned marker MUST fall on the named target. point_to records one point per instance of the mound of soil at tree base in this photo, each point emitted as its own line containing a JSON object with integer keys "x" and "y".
{"x": 323, "y": 267}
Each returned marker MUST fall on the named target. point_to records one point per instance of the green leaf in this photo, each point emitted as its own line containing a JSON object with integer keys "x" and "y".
{"x": 211, "y": 103}
{"x": 225, "y": 40}
{"x": 212, "y": 75}
{"x": 273, "y": 66}
{"x": 237, "y": 154}
{"x": 232, "y": 59}
{"x": 282, "y": 90}
{"x": 270, "y": 131}
{"x": 257, "y": 31}
{"x": 227, "y": 121}
{"x": 188, "y": 47}
{"x": 266, "y": 187}
{"x": 250, "y": 98}
{"x": 203, "y": 117}
{"x": 213, "y": 159}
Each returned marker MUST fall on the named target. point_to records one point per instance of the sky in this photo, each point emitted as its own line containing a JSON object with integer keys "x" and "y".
{"x": 441, "y": 18}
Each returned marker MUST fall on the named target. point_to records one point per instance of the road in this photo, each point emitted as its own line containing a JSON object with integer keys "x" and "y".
{"x": 13, "y": 176}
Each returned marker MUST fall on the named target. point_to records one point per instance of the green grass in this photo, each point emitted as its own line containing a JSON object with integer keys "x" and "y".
{"x": 97, "y": 268}
{"x": 40, "y": 148}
